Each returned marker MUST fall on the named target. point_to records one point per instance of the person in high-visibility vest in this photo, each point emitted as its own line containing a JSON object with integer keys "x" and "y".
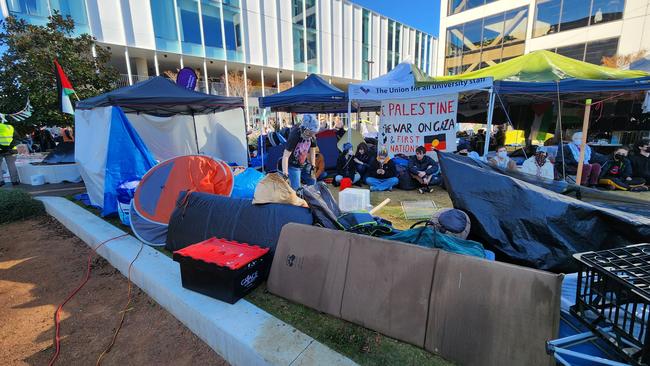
{"x": 8, "y": 151}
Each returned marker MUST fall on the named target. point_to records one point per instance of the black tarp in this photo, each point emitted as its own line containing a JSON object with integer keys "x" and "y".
{"x": 161, "y": 97}
{"x": 205, "y": 215}
{"x": 63, "y": 153}
{"x": 537, "y": 227}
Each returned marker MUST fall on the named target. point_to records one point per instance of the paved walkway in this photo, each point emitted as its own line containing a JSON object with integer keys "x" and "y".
{"x": 57, "y": 189}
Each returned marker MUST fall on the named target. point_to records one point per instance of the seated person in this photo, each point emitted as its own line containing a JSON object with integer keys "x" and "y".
{"x": 640, "y": 160}
{"x": 617, "y": 172}
{"x": 502, "y": 161}
{"x": 345, "y": 167}
{"x": 465, "y": 150}
{"x": 539, "y": 165}
{"x": 570, "y": 155}
{"x": 382, "y": 175}
{"x": 320, "y": 166}
{"x": 362, "y": 159}
{"x": 424, "y": 170}
{"x": 300, "y": 153}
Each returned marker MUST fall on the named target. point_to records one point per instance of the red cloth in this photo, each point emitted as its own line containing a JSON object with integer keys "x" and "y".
{"x": 345, "y": 183}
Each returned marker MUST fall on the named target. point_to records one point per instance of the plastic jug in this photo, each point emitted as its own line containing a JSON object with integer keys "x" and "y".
{"x": 354, "y": 199}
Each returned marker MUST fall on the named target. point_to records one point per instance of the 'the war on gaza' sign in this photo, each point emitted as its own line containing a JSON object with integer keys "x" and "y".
{"x": 406, "y": 124}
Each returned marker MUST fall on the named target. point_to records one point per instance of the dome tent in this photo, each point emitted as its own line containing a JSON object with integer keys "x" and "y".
{"x": 170, "y": 121}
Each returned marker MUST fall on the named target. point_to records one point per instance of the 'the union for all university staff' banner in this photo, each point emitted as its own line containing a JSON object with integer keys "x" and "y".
{"x": 405, "y": 124}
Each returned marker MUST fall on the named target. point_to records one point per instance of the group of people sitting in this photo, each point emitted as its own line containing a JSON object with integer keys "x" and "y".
{"x": 301, "y": 164}
{"x": 622, "y": 170}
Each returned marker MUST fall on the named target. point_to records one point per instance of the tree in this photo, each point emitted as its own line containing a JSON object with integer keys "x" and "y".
{"x": 236, "y": 84}
{"x": 620, "y": 61}
{"x": 27, "y": 71}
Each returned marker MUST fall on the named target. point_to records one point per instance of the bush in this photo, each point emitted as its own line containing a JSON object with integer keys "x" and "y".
{"x": 18, "y": 205}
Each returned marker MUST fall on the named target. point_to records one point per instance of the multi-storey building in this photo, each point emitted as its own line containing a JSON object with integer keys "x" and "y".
{"x": 478, "y": 33}
{"x": 268, "y": 41}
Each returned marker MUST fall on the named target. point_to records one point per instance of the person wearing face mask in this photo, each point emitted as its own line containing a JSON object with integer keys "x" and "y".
{"x": 641, "y": 160}
{"x": 617, "y": 172}
{"x": 345, "y": 167}
{"x": 424, "y": 170}
{"x": 502, "y": 161}
{"x": 570, "y": 155}
{"x": 299, "y": 156}
{"x": 382, "y": 175}
{"x": 539, "y": 165}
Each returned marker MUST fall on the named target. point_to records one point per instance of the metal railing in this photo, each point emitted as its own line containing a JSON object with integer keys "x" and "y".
{"x": 215, "y": 87}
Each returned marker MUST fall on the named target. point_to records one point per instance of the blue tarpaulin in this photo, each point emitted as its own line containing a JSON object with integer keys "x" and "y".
{"x": 313, "y": 95}
{"x": 127, "y": 158}
{"x": 161, "y": 97}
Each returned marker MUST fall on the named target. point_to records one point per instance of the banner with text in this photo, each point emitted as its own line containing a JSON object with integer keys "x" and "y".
{"x": 406, "y": 124}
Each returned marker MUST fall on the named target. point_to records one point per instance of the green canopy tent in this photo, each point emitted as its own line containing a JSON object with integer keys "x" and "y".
{"x": 545, "y": 72}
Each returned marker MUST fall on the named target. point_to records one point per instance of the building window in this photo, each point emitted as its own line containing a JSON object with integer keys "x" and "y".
{"x": 212, "y": 36}
{"x": 592, "y": 52}
{"x": 164, "y": 25}
{"x": 299, "y": 60}
{"x": 305, "y": 54}
{"x": 457, "y": 6}
{"x": 554, "y": 16}
{"x": 398, "y": 42}
{"x": 232, "y": 29}
{"x": 312, "y": 36}
{"x": 75, "y": 9}
{"x": 190, "y": 27}
{"x": 485, "y": 42}
{"x": 365, "y": 45}
{"x": 390, "y": 55}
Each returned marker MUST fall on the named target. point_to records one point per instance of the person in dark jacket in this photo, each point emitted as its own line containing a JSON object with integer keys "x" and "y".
{"x": 640, "y": 160}
{"x": 424, "y": 170}
{"x": 345, "y": 167}
{"x": 362, "y": 159}
{"x": 382, "y": 175}
{"x": 617, "y": 172}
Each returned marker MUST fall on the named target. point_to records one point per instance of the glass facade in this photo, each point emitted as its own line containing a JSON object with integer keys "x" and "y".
{"x": 398, "y": 42}
{"x": 592, "y": 52}
{"x": 190, "y": 27}
{"x": 554, "y": 16}
{"x": 232, "y": 30}
{"x": 312, "y": 36}
{"x": 212, "y": 35}
{"x": 37, "y": 11}
{"x": 305, "y": 54}
{"x": 299, "y": 60}
{"x": 390, "y": 56}
{"x": 456, "y": 6}
{"x": 365, "y": 46}
{"x": 487, "y": 41}
{"x": 164, "y": 25}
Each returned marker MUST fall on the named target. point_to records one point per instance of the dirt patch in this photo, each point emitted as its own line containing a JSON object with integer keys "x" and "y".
{"x": 40, "y": 263}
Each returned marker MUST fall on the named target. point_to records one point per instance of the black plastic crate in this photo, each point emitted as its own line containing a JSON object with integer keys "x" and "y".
{"x": 614, "y": 292}
{"x": 220, "y": 281}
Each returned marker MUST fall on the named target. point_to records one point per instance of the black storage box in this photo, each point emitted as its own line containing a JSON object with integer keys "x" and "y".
{"x": 224, "y": 270}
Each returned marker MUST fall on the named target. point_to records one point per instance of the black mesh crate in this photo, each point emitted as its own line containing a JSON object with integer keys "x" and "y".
{"x": 613, "y": 298}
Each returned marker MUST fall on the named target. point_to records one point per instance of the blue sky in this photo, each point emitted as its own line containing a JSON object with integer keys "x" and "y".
{"x": 420, "y": 14}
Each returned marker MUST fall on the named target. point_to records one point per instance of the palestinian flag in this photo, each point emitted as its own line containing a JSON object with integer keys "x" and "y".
{"x": 64, "y": 88}
{"x": 435, "y": 142}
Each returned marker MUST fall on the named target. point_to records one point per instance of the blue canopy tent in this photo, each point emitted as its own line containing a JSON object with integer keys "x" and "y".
{"x": 312, "y": 95}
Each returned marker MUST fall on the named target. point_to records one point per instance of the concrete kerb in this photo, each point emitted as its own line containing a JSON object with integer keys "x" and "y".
{"x": 242, "y": 333}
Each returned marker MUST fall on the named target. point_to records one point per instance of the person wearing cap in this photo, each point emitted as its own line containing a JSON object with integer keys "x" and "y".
{"x": 424, "y": 170}
{"x": 382, "y": 175}
{"x": 345, "y": 167}
{"x": 569, "y": 155}
{"x": 299, "y": 156}
{"x": 539, "y": 165}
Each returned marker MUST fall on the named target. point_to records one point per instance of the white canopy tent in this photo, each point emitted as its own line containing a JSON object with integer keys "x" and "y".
{"x": 399, "y": 83}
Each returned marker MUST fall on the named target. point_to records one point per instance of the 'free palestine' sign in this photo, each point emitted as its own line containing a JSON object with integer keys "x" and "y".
{"x": 406, "y": 124}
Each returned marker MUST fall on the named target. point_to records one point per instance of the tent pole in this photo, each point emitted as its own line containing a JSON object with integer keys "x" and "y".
{"x": 196, "y": 136}
{"x": 488, "y": 132}
{"x": 583, "y": 144}
{"x": 349, "y": 120}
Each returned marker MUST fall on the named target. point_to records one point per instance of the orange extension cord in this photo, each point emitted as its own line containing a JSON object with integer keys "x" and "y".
{"x": 124, "y": 310}
{"x": 57, "y": 324}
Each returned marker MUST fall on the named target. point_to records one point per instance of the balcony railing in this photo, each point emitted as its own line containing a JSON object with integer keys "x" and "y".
{"x": 215, "y": 87}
